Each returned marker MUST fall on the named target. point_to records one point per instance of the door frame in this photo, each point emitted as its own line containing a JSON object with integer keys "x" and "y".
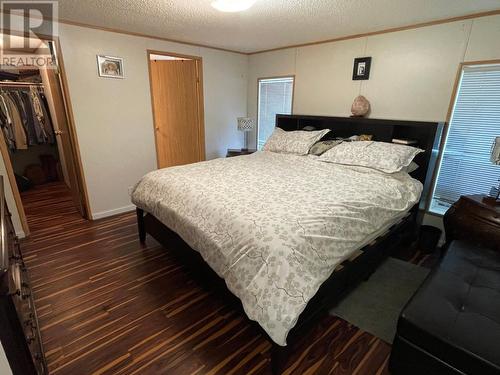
{"x": 201, "y": 102}
{"x": 78, "y": 166}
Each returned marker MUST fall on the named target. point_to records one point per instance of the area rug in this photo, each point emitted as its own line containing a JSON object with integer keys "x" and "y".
{"x": 374, "y": 306}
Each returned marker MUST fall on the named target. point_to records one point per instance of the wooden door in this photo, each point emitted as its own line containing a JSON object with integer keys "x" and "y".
{"x": 177, "y": 108}
{"x": 61, "y": 129}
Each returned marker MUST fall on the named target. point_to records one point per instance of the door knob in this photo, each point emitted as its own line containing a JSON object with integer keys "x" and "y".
{"x": 58, "y": 132}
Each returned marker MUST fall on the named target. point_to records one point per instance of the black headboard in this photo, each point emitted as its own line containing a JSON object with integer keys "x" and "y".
{"x": 427, "y": 134}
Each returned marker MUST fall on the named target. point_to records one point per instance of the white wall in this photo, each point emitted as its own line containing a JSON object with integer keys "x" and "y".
{"x": 114, "y": 121}
{"x": 412, "y": 72}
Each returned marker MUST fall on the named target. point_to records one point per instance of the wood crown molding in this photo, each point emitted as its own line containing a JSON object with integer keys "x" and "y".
{"x": 386, "y": 31}
{"x": 125, "y": 32}
{"x": 347, "y": 37}
{"x": 142, "y": 35}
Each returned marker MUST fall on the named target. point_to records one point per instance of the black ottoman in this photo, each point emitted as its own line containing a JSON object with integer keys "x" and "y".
{"x": 452, "y": 323}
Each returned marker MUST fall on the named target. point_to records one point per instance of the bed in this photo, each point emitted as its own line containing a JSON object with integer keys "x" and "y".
{"x": 288, "y": 234}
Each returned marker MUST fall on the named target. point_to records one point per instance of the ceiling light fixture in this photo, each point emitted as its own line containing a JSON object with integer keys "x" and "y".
{"x": 232, "y": 5}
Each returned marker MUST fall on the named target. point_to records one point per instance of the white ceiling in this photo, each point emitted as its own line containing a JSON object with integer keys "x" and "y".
{"x": 268, "y": 24}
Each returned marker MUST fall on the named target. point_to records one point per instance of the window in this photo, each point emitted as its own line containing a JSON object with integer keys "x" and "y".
{"x": 475, "y": 122}
{"x": 275, "y": 97}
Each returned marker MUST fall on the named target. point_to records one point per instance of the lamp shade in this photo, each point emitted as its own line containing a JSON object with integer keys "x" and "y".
{"x": 495, "y": 151}
{"x": 246, "y": 124}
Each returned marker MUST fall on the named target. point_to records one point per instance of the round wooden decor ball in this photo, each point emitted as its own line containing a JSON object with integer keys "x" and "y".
{"x": 360, "y": 107}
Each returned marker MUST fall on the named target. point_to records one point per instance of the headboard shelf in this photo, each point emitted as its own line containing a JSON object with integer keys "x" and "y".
{"x": 427, "y": 134}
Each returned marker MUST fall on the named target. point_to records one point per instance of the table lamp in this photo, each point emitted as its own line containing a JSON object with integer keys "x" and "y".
{"x": 246, "y": 124}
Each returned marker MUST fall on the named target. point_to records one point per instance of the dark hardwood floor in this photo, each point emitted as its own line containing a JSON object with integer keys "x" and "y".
{"x": 109, "y": 306}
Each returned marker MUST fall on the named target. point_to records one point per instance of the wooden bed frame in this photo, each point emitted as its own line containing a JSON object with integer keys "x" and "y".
{"x": 343, "y": 280}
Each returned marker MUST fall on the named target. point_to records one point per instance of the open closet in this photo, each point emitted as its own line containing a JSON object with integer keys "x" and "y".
{"x": 37, "y": 140}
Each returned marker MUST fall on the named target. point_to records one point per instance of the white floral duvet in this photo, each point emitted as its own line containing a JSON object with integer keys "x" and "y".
{"x": 275, "y": 226}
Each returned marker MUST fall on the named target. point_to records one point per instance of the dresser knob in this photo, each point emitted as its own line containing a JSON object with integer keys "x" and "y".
{"x": 29, "y": 320}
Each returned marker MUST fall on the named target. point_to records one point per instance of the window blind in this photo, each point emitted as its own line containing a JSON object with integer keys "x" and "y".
{"x": 275, "y": 97}
{"x": 465, "y": 167}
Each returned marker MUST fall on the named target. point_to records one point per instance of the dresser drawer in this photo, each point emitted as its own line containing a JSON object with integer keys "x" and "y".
{"x": 19, "y": 332}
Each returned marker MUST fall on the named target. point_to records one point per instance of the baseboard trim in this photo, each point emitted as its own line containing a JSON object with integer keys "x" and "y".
{"x": 116, "y": 211}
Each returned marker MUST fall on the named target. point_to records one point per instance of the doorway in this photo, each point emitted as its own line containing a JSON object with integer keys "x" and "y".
{"x": 38, "y": 142}
{"x": 177, "y": 100}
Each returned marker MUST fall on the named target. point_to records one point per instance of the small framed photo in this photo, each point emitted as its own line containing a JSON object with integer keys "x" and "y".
{"x": 110, "y": 67}
{"x": 361, "y": 68}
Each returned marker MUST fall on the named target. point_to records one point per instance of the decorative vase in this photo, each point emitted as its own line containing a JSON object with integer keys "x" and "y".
{"x": 360, "y": 107}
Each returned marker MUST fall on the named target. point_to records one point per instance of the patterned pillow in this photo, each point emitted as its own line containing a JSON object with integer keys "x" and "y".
{"x": 411, "y": 168}
{"x": 294, "y": 142}
{"x": 353, "y": 138}
{"x": 365, "y": 137}
{"x": 385, "y": 157}
{"x": 321, "y": 147}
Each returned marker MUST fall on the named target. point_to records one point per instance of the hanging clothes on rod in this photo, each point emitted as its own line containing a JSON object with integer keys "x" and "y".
{"x": 24, "y": 115}
{"x": 6, "y": 120}
{"x": 24, "y": 108}
{"x": 18, "y": 140}
{"x": 45, "y": 125}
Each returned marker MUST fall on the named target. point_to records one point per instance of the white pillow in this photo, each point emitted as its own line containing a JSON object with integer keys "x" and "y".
{"x": 293, "y": 142}
{"x": 385, "y": 157}
{"x": 411, "y": 168}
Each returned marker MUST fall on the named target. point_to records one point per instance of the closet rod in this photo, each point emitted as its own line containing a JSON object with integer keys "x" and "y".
{"x": 14, "y": 84}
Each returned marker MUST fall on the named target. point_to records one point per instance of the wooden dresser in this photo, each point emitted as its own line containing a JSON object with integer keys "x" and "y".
{"x": 471, "y": 218}
{"x": 19, "y": 332}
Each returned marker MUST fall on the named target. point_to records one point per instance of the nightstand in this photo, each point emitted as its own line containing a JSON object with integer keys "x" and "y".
{"x": 471, "y": 218}
{"x": 238, "y": 152}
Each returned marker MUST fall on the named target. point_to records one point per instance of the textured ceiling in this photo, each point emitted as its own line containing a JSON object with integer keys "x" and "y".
{"x": 268, "y": 24}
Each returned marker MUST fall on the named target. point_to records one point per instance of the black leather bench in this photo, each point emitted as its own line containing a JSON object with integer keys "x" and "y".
{"x": 452, "y": 323}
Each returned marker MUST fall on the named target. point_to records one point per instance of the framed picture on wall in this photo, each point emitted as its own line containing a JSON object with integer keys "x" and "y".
{"x": 110, "y": 67}
{"x": 361, "y": 68}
